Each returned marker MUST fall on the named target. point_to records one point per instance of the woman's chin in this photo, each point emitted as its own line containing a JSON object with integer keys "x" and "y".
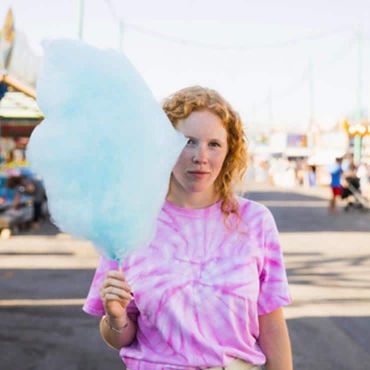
{"x": 197, "y": 188}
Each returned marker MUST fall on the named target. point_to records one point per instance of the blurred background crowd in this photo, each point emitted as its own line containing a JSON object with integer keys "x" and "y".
{"x": 295, "y": 140}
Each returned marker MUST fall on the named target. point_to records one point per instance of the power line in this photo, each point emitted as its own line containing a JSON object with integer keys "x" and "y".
{"x": 119, "y": 21}
{"x": 112, "y": 10}
{"x": 290, "y": 90}
{"x": 243, "y": 48}
{"x": 340, "y": 53}
{"x": 334, "y": 58}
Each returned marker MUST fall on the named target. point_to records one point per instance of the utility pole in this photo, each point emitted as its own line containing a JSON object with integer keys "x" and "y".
{"x": 311, "y": 95}
{"x": 121, "y": 26}
{"x": 81, "y": 19}
{"x": 357, "y": 137}
{"x": 270, "y": 110}
{"x": 311, "y": 118}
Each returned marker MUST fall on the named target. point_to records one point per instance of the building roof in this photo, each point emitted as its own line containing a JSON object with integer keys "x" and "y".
{"x": 17, "y": 105}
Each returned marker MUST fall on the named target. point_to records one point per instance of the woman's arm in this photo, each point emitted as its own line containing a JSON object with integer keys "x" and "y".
{"x": 274, "y": 341}
{"x": 112, "y": 337}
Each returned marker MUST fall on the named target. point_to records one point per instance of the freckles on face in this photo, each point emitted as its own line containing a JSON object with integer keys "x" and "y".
{"x": 203, "y": 156}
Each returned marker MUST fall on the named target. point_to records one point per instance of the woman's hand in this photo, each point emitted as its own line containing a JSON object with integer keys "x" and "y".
{"x": 115, "y": 293}
{"x": 116, "y": 328}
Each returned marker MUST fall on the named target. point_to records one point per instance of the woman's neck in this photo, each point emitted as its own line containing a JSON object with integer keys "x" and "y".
{"x": 185, "y": 199}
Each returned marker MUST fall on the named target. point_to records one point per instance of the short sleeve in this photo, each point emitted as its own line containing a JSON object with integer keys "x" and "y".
{"x": 93, "y": 304}
{"x": 274, "y": 290}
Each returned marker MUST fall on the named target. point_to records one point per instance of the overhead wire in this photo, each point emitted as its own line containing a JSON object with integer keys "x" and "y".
{"x": 223, "y": 47}
{"x": 292, "y": 88}
{"x": 112, "y": 10}
{"x": 240, "y": 48}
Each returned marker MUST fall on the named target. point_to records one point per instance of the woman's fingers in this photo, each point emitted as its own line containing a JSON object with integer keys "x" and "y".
{"x": 116, "y": 283}
{"x": 116, "y": 275}
{"x": 115, "y": 287}
{"x": 115, "y": 293}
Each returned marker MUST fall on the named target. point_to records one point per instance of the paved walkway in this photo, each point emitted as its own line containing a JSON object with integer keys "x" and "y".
{"x": 328, "y": 262}
{"x": 44, "y": 277}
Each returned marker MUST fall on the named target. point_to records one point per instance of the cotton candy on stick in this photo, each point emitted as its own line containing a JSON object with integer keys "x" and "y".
{"x": 105, "y": 149}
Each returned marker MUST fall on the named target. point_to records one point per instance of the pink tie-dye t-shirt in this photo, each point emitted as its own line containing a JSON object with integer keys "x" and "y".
{"x": 199, "y": 288}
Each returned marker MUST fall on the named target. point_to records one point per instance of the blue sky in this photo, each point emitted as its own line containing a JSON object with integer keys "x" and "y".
{"x": 265, "y": 74}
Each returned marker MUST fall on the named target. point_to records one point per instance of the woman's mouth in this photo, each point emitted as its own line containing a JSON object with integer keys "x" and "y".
{"x": 198, "y": 174}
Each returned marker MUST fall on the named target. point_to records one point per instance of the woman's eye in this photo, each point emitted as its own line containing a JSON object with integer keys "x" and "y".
{"x": 190, "y": 142}
{"x": 215, "y": 144}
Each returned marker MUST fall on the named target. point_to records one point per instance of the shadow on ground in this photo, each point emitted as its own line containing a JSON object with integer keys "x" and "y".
{"x": 63, "y": 337}
{"x": 310, "y": 213}
{"x": 50, "y": 337}
{"x": 318, "y": 270}
{"x": 53, "y": 338}
{"x": 329, "y": 343}
{"x": 47, "y": 228}
{"x": 44, "y": 284}
{"x": 46, "y": 338}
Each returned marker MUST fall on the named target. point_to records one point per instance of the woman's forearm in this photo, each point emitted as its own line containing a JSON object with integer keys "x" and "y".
{"x": 274, "y": 342}
{"x": 113, "y": 338}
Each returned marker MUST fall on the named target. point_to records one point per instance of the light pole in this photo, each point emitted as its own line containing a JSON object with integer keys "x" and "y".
{"x": 357, "y": 131}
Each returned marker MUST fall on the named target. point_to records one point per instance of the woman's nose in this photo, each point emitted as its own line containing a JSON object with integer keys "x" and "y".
{"x": 200, "y": 155}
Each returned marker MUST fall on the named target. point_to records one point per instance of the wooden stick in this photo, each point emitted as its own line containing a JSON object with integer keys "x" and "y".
{"x": 120, "y": 270}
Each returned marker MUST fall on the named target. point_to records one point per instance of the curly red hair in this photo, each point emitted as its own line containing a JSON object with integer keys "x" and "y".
{"x": 196, "y": 98}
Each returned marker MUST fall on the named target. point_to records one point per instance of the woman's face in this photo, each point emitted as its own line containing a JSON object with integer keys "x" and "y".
{"x": 201, "y": 160}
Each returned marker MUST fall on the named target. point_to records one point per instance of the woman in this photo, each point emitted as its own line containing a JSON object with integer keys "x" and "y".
{"x": 208, "y": 290}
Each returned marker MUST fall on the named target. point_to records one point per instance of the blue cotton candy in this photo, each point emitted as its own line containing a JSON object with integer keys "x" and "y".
{"x": 105, "y": 150}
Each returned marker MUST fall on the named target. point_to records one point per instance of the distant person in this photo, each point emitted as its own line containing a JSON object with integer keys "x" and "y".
{"x": 300, "y": 168}
{"x": 12, "y": 191}
{"x": 363, "y": 173}
{"x": 309, "y": 175}
{"x": 347, "y": 162}
{"x": 35, "y": 188}
{"x": 8, "y": 163}
{"x": 312, "y": 176}
{"x": 20, "y": 159}
{"x": 335, "y": 184}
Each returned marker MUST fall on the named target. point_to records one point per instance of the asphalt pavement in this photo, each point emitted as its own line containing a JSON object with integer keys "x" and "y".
{"x": 45, "y": 275}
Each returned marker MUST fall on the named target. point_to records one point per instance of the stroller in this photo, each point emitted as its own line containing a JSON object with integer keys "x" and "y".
{"x": 351, "y": 191}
